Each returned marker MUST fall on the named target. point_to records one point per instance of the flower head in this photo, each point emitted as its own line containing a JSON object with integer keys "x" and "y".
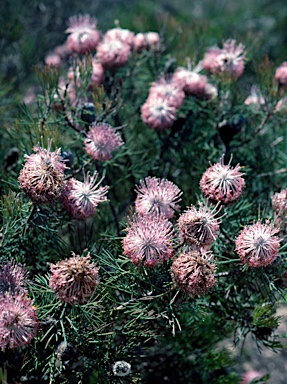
{"x": 193, "y": 272}
{"x": 167, "y": 90}
{"x": 18, "y": 321}
{"x": 84, "y": 36}
{"x": 229, "y": 59}
{"x": 121, "y": 368}
{"x": 157, "y": 196}
{"x": 98, "y": 74}
{"x": 198, "y": 226}
{"x": 257, "y": 246}
{"x": 281, "y": 74}
{"x": 191, "y": 82}
{"x": 13, "y": 279}
{"x": 81, "y": 199}
{"x": 124, "y": 35}
{"x": 148, "y": 240}
{"x": 113, "y": 53}
{"x": 255, "y": 97}
{"x": 222, "y": 183}
{"x": 279, "y": 202}
{"x": 42, "y": 177}
{"x": 75, "y": 279}
{"x": 145, "y": 41}
{"x": 158, "y": 113}
{"x": 102, "y": 140}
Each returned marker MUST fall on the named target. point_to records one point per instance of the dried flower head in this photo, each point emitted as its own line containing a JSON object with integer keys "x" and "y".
{"x": 13, "y": 279}
{"x": 18, "y": 321}
{"x": 84, "y": 36}
{"x": 193, "y": 272}
{"x": 113, "y": 53}
{"x": 157, "y": 196}
{"x": 167, "y": 90}
{"x": 124, "y": 35}
{"x": 229, "y": 59}
{"x": 191, "y": 82}
{"x": 146, "y": 41}
{"x": 81, "y": 199}
{"x": 158, "y": 113}
{"x": 222, "y": 183}
{"x": 148, "y": 240}
{"x": 102, "y": 140}
{"x": 279, "y": 202}
{"x": 75, "y": 279}
{"x": 199, "y": 226}
{"x": 42, "y": 177}
{"x": 121, "y": 368}
{"x": 256, "y": 244}
{"x": 281, "y": 74}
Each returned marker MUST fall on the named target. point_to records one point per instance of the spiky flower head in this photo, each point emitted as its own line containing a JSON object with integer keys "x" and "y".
{"x": 145, "y": 41}
{"x": 157, "y": 196}
{"x": 199, "y": 226}
{"x": 222, "y": 183}
{"x": 113, "y": 53}
{"x": 148, "y": 240}
{"x": 191, "y": 82}
{"x": 124, "y": 35}
{"x": 84, "y": 36}
{"x": 168, "y": 90}
{"x": 257, "y": 244}
{"x": 193, "y": 272}
{"x": 158, "y": 113}
{"x": 229, "y": 59}
{"x": 279, "y": 202}
{"x": 75, "y": 279}
{"x": 81, "y": 199}
{"x": 18, "y": 321}
{"x": 101, "y": 141}
{"x": 281, "y": 74}
{"x": 13, "y": 279}
{"x": 42, "y": 177}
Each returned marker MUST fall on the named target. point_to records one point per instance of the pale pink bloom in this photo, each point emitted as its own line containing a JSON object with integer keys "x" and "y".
{"x": 281, "y": 105}
{"x": 229, "y": 59}
{"x": 98, "y": 74}
{"x": 191, "y": 82}
{"x": 249, "y": 376}
{"x": 53, "y": 60}
{"x": 255, "y": 97}
{"x": 124, "y": 35}
{"x": 281, "y": 74}
{"x": 42, "y": 177}
{"x": 146, "y": 41}
{"x": 257, "y": 246}
{"x": 13, "y": 279}
{"x": 113, "y": 53}
{"x": 18, "y": 321}
{"x": 167, "y": 90}
{"x": 279, "y": 202}
{"x": 148, "y": 240}
{"x": 193, "y": 272}
{"x": 81, "y": 199}
{"x": 63, "y": 50}
{"x": 84, "y": 36}
{"x": 102, "y": 140}
{"x": 199, "y": 226}
{"x": 158, "y": 113}
{"x": 75, "y": 279}
{"x": 222, "y": 183}
{"x": 210, "y": 91}
{"x": 157, "y": 196}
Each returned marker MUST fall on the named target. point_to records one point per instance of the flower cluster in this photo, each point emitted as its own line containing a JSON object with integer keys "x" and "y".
{"x": 74, "y": 280}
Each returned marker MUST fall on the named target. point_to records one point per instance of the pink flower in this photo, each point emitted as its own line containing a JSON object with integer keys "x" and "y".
{"x": 84, "y": 36}
{"x": 148, "y": 240}
{"x": 123, "y": 35}
{"x": 145, "y": 41}
{"x": 229, "y": 59}
{"x": 281, "y": 105}
{"x": 98, "y": 74}
{"x": 53, "y": 60}
{"x": 257, "y": 246}
{"x": 255, "y": 97}
{"x": 75, "y": 279}
{"x": 42, "y": 177}
{"x": 281, "y": 74}
{"x": 279, "y": 202}
{"x": 167, "y": 90}
{"x": 249, "y": 376}
{"x": 157, "y": 196}
{"x": 102, "y": 140}
{"x": 13, "y": 279}
{"x": 18, "y": 321}
{"x": 191, "y": 82}
{"x": 199, "y": 226}
{"x": 222, "y": 183}
{"x": 81, "y": 199}
{"x": 193, "y": 272}
{"x": 113, "y": 53}
{"x": 210, "y": 91}
{"x": 158, "y": 113}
